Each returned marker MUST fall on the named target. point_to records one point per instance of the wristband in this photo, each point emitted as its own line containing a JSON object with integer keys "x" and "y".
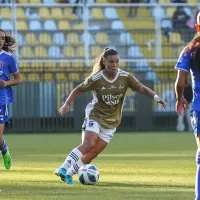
{"x": 155, "y": 96}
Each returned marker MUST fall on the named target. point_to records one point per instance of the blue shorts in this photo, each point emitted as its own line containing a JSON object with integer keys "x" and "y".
{"x": 3, "y": 114}
{"x": 195, "y": 121}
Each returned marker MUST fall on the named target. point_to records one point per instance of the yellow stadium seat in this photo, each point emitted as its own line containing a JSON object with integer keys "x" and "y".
{"x": 78, "y": 27}
{"x": 68, "y": 13}
{"x": 57, "y": 13}
{"x": 95, "y": 51}
{"x": 80, "y": 52}
{"x": 48, "y": 76}
{"x": 35, "y": 1}
{"x": 69, "y": 52}
{"x": 60, "y": 77}
{"x": 23, "y": 1}
{"x": 31, "y": 39}
{"x": 175, "y": 38}
{"x": 44, "y": 13}
{"x": 45, "y": 39}
{"x": 102, "y": 38}
{"x": 50, "y": 64}
{"x": 34, "y": 77}
{"x": 37, "y": 65}
{"x": 78, "y": 64}
{"x": 63, "y": 25}
{"x": 97, "y": 13}
{"x": 22, "y": 25}
{"x": 40, "y": 52}
{"x": 73, "y": 38}
{"x": 64, "y": 64}
{"x": 20, "y": 13}
{"x": 74, "y": 77}
{"x": 170, "y": 11}
{"x": 5, "y": 13}
{"x": 26, "y": 52}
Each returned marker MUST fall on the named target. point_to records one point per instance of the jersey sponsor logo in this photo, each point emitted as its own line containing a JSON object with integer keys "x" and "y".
{"x": 103, "y": 88}
{"x": 91, "y": 123}
{"x": 1, "y": 64}
{"x": 110, "y": 99}
{"x": 120, "y": 85}
{"x": 1, "y": 72}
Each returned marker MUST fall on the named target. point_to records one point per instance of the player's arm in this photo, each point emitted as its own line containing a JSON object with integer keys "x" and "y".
{"x": 181, "y": 102}
{"x": 148, "y": 92}
{"x": 83, "y": 87}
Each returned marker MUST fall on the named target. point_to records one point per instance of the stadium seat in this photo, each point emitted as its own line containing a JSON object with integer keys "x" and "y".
{"x": 69, "y": 52}
{"x": 68, "y": 14}
{"x": 170, "y": 11}
{"x": 20, "y": 39}
{"x": 6, "y": 25}
{"x": 134, "y": 52}
{"x": 44, "y": 13}
{"x": 73, "y": 38}
{"x": 23, "y": 1}
{"x": 32, "y": 13}
{"x": 117, "y": 25}
{"x": 59, "y": 38}
{"x": 57, "y": 13}
{"x": 48, "y": 76}
{"x": 126, "y": 38}
{"x": 40, "y": 52}
{"x": 31, "y": 39}
{"x": 22, "y": 25}
{"x": 110, "y": 13}
{"x": 63, "y": 25}
{"x": 5, "y": 13}
{"x": 34, "y": 77}
{"x": 80, "y": 52}
{"x": 95, "y": 51}
{"x": 60, "y": 77}
{"x": 102, "y": 39}
{"x": 50, "y": 25}
{"x": 35, "y": 25}
{"x": 97, "y": 14}
{"x": 54, "y": 52}
{"x": 26, "y": 52}
{"x": 74, "y": 77}
{"x": 87, "y": 37}
{"x": 35, "y": 1}
{"x": 79, "y": 27}
{"x": 45, "y": 39}
{"x": 175, "y": 38}
{"x": 20, "y": 13}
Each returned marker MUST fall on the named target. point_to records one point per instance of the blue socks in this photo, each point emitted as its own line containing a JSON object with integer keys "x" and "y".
{"x": 4, "y": 148}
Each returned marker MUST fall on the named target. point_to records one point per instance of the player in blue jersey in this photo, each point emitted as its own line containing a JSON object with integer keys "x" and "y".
{"x": 8, "y": 66}
{"x": 189, "y": 62}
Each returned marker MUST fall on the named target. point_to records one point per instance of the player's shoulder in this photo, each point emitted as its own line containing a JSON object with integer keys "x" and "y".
{"x": 97, "y": 76}
{"x": 123, "y": 73}
{"x": 6, "y": 53}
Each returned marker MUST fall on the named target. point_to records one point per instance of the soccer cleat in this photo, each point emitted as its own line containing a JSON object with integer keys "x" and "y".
{"x": 61, "y": 172}
{"x": 7, "y": 160}
{"x": 69, "y": 180}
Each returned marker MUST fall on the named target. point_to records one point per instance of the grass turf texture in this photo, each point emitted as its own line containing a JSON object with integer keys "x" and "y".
{"x": 140, "y": 166}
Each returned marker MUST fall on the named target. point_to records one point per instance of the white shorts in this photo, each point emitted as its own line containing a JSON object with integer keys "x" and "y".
{"x": 104, "y": 133}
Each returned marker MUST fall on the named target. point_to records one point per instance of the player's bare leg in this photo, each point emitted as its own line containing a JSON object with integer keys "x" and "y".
{"x": 197, "y": 184}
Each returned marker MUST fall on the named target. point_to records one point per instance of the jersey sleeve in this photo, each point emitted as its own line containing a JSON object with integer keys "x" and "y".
{"x": 134, "y": 84}
{"x": 183, "y": 62}
{"x": 13, "y": 67}
{"x": 87, "y": 85}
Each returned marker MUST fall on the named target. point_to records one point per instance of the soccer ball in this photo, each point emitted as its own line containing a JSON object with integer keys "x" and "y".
{"x": 88, "y": 174}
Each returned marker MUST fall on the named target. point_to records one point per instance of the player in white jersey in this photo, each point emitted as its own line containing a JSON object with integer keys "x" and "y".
{"x": 108, "y": 84}
{"x": 8, "y": 67}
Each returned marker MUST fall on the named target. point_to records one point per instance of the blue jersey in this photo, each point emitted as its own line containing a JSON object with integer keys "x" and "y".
{"x": 184, "y": 63}
{"x": 8, "y": 66}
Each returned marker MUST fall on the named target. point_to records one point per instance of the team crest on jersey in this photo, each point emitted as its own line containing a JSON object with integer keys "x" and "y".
{"x": 91, "y": 123}
{"x": 1, "y": 64}
{"x": 120, "y": 85}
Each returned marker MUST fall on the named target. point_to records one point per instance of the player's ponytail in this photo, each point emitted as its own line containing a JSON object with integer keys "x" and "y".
{"x": 98, "y": 66}
{"x": 10, "y": 42}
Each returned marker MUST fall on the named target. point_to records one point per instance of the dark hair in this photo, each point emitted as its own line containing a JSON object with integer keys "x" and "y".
{"x": 194, "y": 49}
{"x": 10, "y": 42}
{"x": 98, "y": 66}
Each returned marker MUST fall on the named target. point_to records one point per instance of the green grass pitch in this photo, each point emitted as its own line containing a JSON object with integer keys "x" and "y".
{"x": 135, "y": 166}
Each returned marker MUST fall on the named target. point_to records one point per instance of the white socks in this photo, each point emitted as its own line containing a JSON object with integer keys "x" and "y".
{"x": 74, "y": 156}
{"x": 75, "y": 167}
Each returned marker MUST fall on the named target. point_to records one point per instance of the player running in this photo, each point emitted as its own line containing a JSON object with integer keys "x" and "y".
{"x": 103, "y": 115}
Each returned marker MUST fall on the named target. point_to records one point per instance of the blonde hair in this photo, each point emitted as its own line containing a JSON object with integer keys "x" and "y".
{"x": 98, "y": 66}
{"x": 10, "y": 42}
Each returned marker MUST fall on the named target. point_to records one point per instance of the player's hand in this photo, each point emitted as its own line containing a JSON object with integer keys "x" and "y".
{"x": 161, "y": 101}
{"x": 3, "y": 83}
{"x": 181, "y": 105}
{"x": 64, "y": 109}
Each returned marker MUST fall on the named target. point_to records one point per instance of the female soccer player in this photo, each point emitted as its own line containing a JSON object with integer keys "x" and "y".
{"x": 8, "y": 66}
{"x": 189, "y": 61}
{"x": 109, "y": 85}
